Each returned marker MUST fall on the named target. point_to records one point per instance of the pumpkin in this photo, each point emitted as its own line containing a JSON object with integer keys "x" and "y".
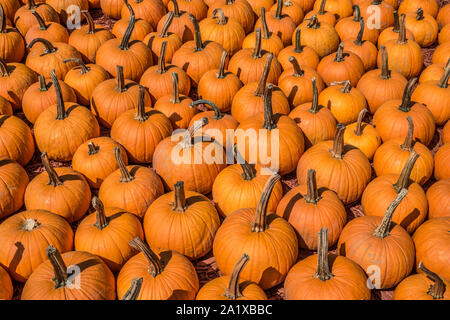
{"x": 195, "y": 222}
{"x": 307, "y": 5}
{"x": 50, "y": 281}
{"x": 249, "y": 100}
{"x": 27, "y": 234}
{"x": 140, "y": 131}
{"x": 6, "y": 287}
{"x": 65, "y": 8}
{"x": 378, "y": 13}
{"x": 230, "y": 287}
{"x": 219, "y": 86}
{"x": 441, "y": 159}
{"x": 343, "y": 280}
{"x": 176, "y": 106}
{"x": 197, "y": 57}
{"x": 181, "y": 24}
{"x": 405, "y": 55}
{"x": 141, "y": 29}
{"x": 322, "y": 15}
{"x": 308, "y": 209}
{"x": 240, "y": 10}
{"x": 381, "y": 85}
{"x": 269, "y": 128}
{"x": 427, "y": 286}
{"x": 344, "y": 101}
{"x": 134, "y": 290}
{"x": 10, "y": 7}
{"x": 5, "y": 107}
{"x": 423, "y": 26}
{"x": 350, "y": 27}
{"x": 15, "y": 180}
{"x": 197, "y": 8}
{"x": 16, "y": 140}
{"x": 390, "y": 118}
{"x": 89, "y": 38}
{"x": 240, "y": 186}
{"x": 12, "y": 47}
{"x": 341, "y": 8}
{"x": 316, "y": 121}
{"x": 63, "y": 127}
{"x": 392, "y": 155}
{"x": 305, "y": 56}
{"x": 441, "y": 54}
{"x": 363, "y": 136}
{"x": 84, "y": 79}
{"x": 344, "y": 170}
{"x": 24, "y": 18}
{"x": 379, "y": 245}
{"x": 132, "y": 188}
{"x": 296, "y": 83}
{"x": 438, "y": 199}
{"x": 258, "y": 4}
{"x": 106, "y": 233}
{"x": 149, "y": 10}
{"x": 113, "y": 97}
{"x": 392, "y": 33}
{"x": 51, "y": 31}
{"x": 443, "y": 16}
{"x": 428, "y": 6}
{"x": 446, "y": 133}
{"x": 15, "y": 78}
{"x": 264, "y": 236}
{"x": 435, "y": 95}
{"x": 444, "y": 35}
{"x": 431, "y": 240}
{"x": 194, "y": 161}
{"x": 291, "y": 9}
{"x": 167, "y": 275}
{"x": 112, "y": 8}
{"x": 41, "y": 95}
{"x": 434, "y": 72}
{"x": 95, "y": 160}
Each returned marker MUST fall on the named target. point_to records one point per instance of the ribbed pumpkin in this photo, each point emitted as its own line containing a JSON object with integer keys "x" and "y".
{"x": 433, "y": 72}
{"x": 65, "y": 7}
{"x": 181, "y": 157}
{"x": 392, "y": 33}
{"x": 12, "y": 47}
{"x": 350, "y": 27}
{"x": 16, "y": 140}
{"x": 323, "y": 15}
{"x": 266, "y": 237}
{"x": 106, "y": 233}
{"x": 219, "y": 86}
{"x": 292, "y": 9}
{"x": 111, "y": 8}
{"x": 341, "y": 8}
{"x": 444, "y": 34}
{"x": 50, "y": 281}
{"x": 26, "y": 235}
{"x": 149, "y": 10}
{"x": 392, "y": 155}
{"x": 10, "y": 7}
{"x": 197, "y": 8}
{"x": 307, "y": 5}
{"x": 343, "y": 280}
{"x": 441, "y": 160}
{"x": 309, "y": 209}
{"x": 442, "y": 53}
{"x": 51, "y": 31}
{"x": 166, "y": 274}
{"x": 24, "y": 18}
{"x": 237, "y": 9}
{"x": 305, "y": 56}
{"x": 438, "y": 196}
{"x": 316, "y": 121}
{"x": 339, "y": 168}
{"x": 384, "y": 13}
{"x": 139, "y": 131}
{"x": 15, "y": 180}
{"x": 132, "y": 188}
{"x": 268, "y": 128}
{"x": 423, "y": 26}
{"x": 6, "y": 287}
{"x": 429, "y": 6}
{"x": 63, "y": 127}
{"x": 443, "y": 16}
{"x": 181, "y": 24}
{"x": 95, "y": 160}
{"x": 231, "y": 287}
{"x": 140, "y": 30}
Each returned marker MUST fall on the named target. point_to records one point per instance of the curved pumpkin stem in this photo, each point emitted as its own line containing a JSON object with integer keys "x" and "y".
{"x": 125, "y": 43}
{"x": 162, "y": 59}
{"x": 61, "y": 113}
{"x": 188, "y": 135}
{"x": 265, "y": 29}
{"x": 315, "y": 98}
{"x": 42, "y": 84}
{"x": 166, "y": 25}
{"x": 48, "y": 47}
{"x": 125, "y": 175}
{"x": 134, "y": 290}
{"x": 197, "y": 34}
{"x": 298, "y": 45}
{"x": 298, "y": 71}
{"x": 102, "y": 221}
{"x": 402, "y": 33}
{"x": 322, "y": 7}
{"x": 221, "y": 19}
{"x": 269, "y": 122}
{"x": 217, "y": 113}
{"x": 404, "y": 178}
{"x": 179, "y": 203}
{"x": 314, "y": 22}
{"x": 409, "y": 140}
{"x": 260, "y": 221}
{"x": 176, "y": 9}
{"x": 436, "y": 290}
{"x": 31, "y": 4}
{"x": 406, "y": 100}
{"x": 323, "y": 268}
{"x": 93, "y": 149}
{"x": 356, "y": 13}
{"x": 265, "y": 74}
{"x": 358, "y": 41}
{"x": 53, "y": 178}
{"x": 155, "y": 265}
{"x": 312, "y": 195}
{"x": 41, "y": 22}
{"x": 419, "y": 14}
{"x": 279, "y": 13}
{"x": 248, "y": 170}
{"x": 443, "y": 82}
{"x": 382, "y": 230}
{"x": 59, "y": 267}
{"x": 396, "y": 27}
{"x": 223, "y": 59}
{"x": 338, "y": 144}
{"x": 257, "y": 53}
{"x": 175, "y": 91}
{"x": 83, "y": 68}
{"x": 4, "y": 70}
{"x": 140, "y": 114}
{"x": 120, "y": 79}
{"x": 90, "y": 21}
{"x": 358, "y": 129}
{"x": 340, "y": 53}
{"x": 233, "y": 291}
{"x": 385, "y": 72}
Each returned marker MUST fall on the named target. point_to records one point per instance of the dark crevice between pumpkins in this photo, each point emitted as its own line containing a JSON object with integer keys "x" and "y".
{"x": 260, "y": 221}
{"x": 437, "y": 289}
{"x": 323, "y": 268}
{"x": 125, "y": 175}
{"x": 232, "y": 292}
{"x": 382, "y": 231}
{"x": 155, "y": 264}
{"x": 134, "y": 290}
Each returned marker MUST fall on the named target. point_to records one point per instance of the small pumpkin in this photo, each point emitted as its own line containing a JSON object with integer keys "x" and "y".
{"x": 141, "y": 29}
{"x": 444, "y": 34}
{"x": 197, "y": 8}
{"x": 441, "y": 160}
{"x": 392, "y": 33}
{"x": 423, "y": 26}
{"x": 439, "y": 199}
{"x": 64, "y": 8}
{"x": 443, "y": 16}
{"x": 322, "y": 15}
{"x": 12, "y": 47}
{"x": 181, "y": 24}
{"x": 49, "y": 30}
{"x": 111, "y": 8}
{"x": 433, "y": 72}
{"x": 442, "y": 53}
{"x": 428, "y": 6}
{"x": 291, "y": 9}
{"x": 350, "y": 27}
{"x": 6, "y": 287}
{"x": 304, "y": 55}
{"x": 24, "y": 19}
{"x": 149, "y": 10}
{"x": 240, "y": 10}
{"x": 16, "y": 140}
{"x": 15, "y": 179}
{"x": 341, "y": 8}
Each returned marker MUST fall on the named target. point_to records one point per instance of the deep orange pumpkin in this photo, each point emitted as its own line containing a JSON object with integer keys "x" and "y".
{"x": 303, "y": 54}
{"x": 15, "y": 180}
{"x": 16, "y": 140}
{"x": 438, "y": 196}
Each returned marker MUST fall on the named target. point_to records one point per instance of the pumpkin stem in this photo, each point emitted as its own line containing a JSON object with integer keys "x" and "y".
{"x": 175, "y": 91}
{"x": 125, "y": 175}
{"x": 404, "y": 178}
{"x": 358, "y": 41}
{"x": 408, "y": 144}
{"x": 356, "y": 13}
{"x": 265, "y": 28}
{"x": 2, "y": 20}
{"x": 120, "y": 79}
{"x": 322, "y": 7}
{"x": 102, "y": 221}
{"x": 229, "y": 2}
{"x": 262, "y": 81}
{"x": 4, "y": 71}
{"x": 315, "y": 99}
{"x": 140, "y": 114}
{"x": 269, "y": 122}
{"x": 53, "y": 178}
{"x": 314, "y": 22}
{"x": 31, "y": 4}
{"x": 382, "y": 230}
{"x": 83, "y": 68}
{"x": 279, "y": 13}
{"x": 221, "y": 19}
{"x": 298, "y": 72}
{"x": 166, "y": 25}
{"x": 39, "y": 19}
{"x": 346, "y": 85}
{"x": 48, "y": 47}
{"x": 30, "y": 224}
{"x": 358, "y": 129}
{"x": 155, "y": 265}
{"x": 419, "y": 14}
{"x": 223, "y": 59}
{"x": 406, "y": 100}
{"x": 233, "y": 291}
{"x": 125, "y": 43}
{"x": 176, "y": 9}
{"x": 436, "y": 290}
{"x": 90, "y": 21}
{"x": 298, "y": 46}
{"x": 248, "y": 170}
{"x": 93, "y": 149}
{"x": 61, "y": 113}
{"x": 59, "y": 267}
{"x": 260, "y": 221}
{"x": 197, "y": 34}
{"x": 385, "y": 72}
{"x": 312, "y": 195}
{"x": 217, "y": 113}
{"x": 180, "y": 197}
{"x": 162, "y": 59}
{"x": 134, "y": 290}
{"x": 323, "y": 268}
{"x": 443, "y": 82}
{"x": 338, "y": 143}
{"x": 188, "y": 135}
{"x": 42, "y": 83}
{"x": 340, "y": 53}
{"x": 402, "y": 33}
{"x": 257, "y": 53}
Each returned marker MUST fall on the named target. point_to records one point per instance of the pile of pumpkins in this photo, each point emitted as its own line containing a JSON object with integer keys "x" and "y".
{"x": 113, "y": 105}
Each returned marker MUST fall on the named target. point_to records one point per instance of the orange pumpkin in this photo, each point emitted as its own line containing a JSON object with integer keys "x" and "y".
{"x": 383, "y": 11}
{"x": 5, "y": 106}
{"x": 439, "y": 199}
{"x": 433, "y": 72}
{"x": 349, "y": 28}
{"x": 392, "y": 33}
{"x": 140, "y": 30}
{"x": 197, "y": 8}
{"x": 15, "y": 180}
{"x": 181, "y": 24}
{"x": 6, "y": 287}
{"x": 322, "y": 15}
{"x": 240, "y": 10}
{"x": 12, "y": 47}
{"x": 65, "y": 8}
{"x": 291, "y": 9}
{"x": 429, "y": 6}
{"x": 341, "y": 8}
{"x": 423, "y": 26}
{"x": 441, "y": 160}
{"x": 444, "y": 35}
{"x": 443, "y": 16}
{"x": 24, "y": 18}
{"x": 149, "y": 10}
{"x": 16, "y": 140}
{"x": 442, "y": 53}
{"x": 304, "y": 55}
{"x": 50, "y": 31}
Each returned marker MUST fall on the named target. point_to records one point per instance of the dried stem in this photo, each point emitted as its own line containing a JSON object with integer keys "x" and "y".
{"x": 223, "y": 59}
{"x": 312, "y": 195}
{"x": 436, "y": 290}
{"x": 102, "y": 221}
{"x": 166, "y": 25}
{"x": 53, "y": 178}
{"x": 358, "y": 129}
{"x": 404, "y": 178}
{"x": 125, "y": 175}
{"x": 61, "y": 113}
{"x": 409, "y": 140}
{"x": 406, "y": 100}
{"x": 269, "y": 122}
{"x": 134, "y": 290}
{"x": 59, "y": 267}
{"x": 382, "y": 231}
{"x": 179, "y": 203}
{"x": 155, "y": 265}
{"x": 140, "y": 114}
{"x": 233, "y": 291}
{"x": 443, "y": 82}
{"x": 260, "y": 222}
{"x": 323, "y": 269}
{"x": 262, "y": 81}
{"x": 83, "y": 68}
{"x": 217, "y": 113}
{"x": 338, "y": 144}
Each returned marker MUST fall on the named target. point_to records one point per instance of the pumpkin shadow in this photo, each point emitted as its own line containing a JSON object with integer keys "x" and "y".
{"x": 194, "y": 199}
{"x": 342, "y": 249}
{"x": 292, "y": 94}
{"x": 18, "y": 255}
{"x": 5, "y": 161}
{"x": 270, "y": 273}
{"x": 69, "y": 177}
{"x": 87, "y": 264}
{"x": 4, "y": 118}
{"x": 178, "y": 294}
{"x": 406, "y": 222}
{"x": 165, "y": 257}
